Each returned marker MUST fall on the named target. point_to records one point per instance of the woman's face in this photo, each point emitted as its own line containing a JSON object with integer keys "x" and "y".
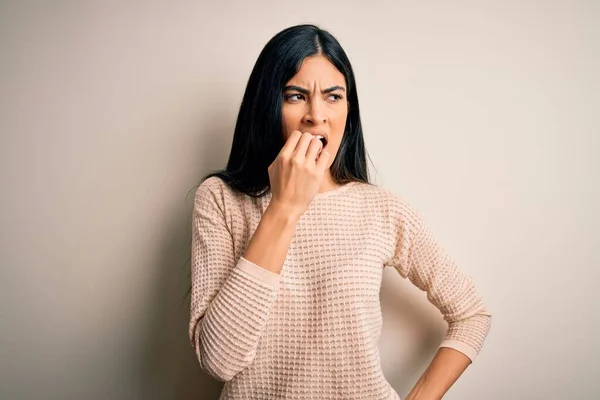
{"x": 314, "y": 101}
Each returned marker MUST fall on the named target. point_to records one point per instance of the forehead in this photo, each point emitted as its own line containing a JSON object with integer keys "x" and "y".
{"x": 318, "y": 69}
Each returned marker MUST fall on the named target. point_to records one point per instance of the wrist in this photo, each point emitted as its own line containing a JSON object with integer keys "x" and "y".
{"x": 282, "y": 212}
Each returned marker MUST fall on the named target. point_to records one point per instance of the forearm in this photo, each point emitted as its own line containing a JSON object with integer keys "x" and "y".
{"x": 271, "y": 241}
{"x": 445, "y": 368}
{"x": 227, "y": 337}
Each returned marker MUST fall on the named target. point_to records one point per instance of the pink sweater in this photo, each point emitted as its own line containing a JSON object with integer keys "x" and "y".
{"x": 312, "y": 331}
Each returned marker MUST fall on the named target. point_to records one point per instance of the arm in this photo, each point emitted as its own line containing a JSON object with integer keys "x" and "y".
{"x": 231, "y": 299}
{"x": 431, "y": 269}
{"x": 445, "y": 368}
{"x": 271, "y": 241}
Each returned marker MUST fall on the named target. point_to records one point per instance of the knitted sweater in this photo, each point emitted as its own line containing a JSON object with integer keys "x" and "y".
{"x": 312, "y": 331}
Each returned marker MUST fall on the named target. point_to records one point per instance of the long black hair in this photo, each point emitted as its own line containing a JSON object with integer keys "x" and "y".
{"x": 258, "y": 135}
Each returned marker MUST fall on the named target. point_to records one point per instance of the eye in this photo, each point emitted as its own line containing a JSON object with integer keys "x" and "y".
{"x": 293, "y": 97}
{"x": 336, "y": 97}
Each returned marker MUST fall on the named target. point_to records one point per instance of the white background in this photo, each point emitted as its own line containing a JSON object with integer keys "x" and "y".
{"x": 484, "y": 115}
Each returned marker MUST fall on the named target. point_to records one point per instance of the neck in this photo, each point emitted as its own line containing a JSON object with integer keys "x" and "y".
{"x": 327, "y": 184}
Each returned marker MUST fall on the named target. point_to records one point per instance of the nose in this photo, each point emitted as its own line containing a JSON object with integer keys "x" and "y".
{"x": 315, "y": 114}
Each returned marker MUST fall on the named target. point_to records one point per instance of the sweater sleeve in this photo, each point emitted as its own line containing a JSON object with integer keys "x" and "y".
{"x": 431, "y": 269}
{"x": 231, "y": 299}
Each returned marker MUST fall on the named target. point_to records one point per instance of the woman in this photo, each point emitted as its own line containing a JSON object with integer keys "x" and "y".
{"x": 290, "y": 242}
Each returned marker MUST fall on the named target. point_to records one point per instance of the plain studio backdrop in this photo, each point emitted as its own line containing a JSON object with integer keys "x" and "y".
{"x": 484, "y": 115}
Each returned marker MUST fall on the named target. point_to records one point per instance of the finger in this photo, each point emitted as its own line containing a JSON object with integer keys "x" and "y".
{"x": 302, "y": 145}
{"x": 314, "y": 148}
{"x": 323, "y": 160}
{"x": 290, "y": 144}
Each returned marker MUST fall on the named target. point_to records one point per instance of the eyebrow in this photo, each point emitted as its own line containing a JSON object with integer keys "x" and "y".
{"x": 306, "y": 91}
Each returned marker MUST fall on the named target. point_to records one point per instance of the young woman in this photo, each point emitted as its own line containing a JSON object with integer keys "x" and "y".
{"x": 290, "y": 241}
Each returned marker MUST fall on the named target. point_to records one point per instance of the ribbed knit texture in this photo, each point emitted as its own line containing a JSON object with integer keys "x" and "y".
{"x": 312, "y": 331}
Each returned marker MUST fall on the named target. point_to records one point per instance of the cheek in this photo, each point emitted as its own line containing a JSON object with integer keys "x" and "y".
{"x": 339, "y": 122}
{"x": 292, "y": 115}
{"x": 290, "y": 120}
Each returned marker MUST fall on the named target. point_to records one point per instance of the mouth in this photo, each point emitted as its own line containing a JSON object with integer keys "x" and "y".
{"x": 321, "y": 136}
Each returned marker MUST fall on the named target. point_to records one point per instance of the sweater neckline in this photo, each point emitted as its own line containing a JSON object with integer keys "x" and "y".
{"x": 329, "y": 193}
{"x": 335, "y": 191}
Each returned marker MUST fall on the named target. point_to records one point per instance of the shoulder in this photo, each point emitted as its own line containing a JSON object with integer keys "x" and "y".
{"x": 394, "y": 206}
{"x": 377, "y": 195}
{"x": 212, "y": 187}
{"x": 214, "y": 191}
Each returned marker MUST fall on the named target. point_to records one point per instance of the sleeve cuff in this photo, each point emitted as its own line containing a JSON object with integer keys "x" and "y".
{"x": 462, "y": 347}
{"x": 257, "y": 272}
